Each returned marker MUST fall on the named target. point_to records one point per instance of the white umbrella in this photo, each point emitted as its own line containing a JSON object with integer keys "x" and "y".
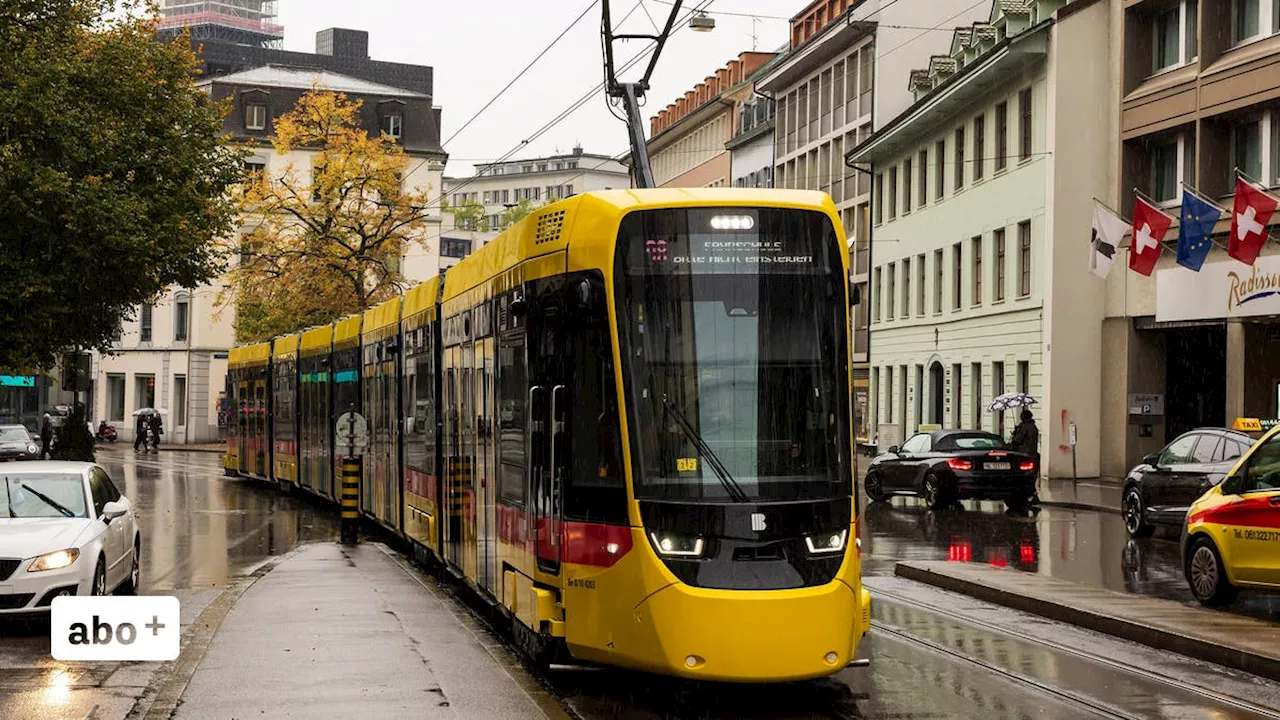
{"x": 150, "y": 411}
{"x": 1008, "y": 401}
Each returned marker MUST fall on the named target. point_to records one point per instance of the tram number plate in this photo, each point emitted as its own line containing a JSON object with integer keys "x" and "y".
{"x": 996, "y": 466}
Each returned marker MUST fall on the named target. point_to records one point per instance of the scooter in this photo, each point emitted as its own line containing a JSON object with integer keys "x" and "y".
{"x": 105, "y": 433}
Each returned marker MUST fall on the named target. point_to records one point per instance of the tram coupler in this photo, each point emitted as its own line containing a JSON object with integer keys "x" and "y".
{"x": 350, "y": 533}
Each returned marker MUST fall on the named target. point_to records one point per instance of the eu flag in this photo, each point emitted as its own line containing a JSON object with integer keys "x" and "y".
{"x": 1198, "y": 219}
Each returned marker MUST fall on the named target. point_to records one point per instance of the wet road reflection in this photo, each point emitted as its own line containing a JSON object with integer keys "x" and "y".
{"x": 1077, "y": 545}
{"x": 200, "y": 528}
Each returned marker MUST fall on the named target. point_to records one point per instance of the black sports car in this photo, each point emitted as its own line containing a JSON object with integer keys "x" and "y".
{"x": 948, "y": 465}
{"x": 1163, "y": 486}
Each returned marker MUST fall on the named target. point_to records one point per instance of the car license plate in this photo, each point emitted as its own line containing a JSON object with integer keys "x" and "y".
{"x": 996, "y": 466}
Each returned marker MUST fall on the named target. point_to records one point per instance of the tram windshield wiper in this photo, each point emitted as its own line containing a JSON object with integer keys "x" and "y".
{"x": 731, "y": 486}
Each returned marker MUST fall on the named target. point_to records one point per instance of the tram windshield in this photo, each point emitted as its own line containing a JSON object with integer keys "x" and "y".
{"x": 732, "y": 324}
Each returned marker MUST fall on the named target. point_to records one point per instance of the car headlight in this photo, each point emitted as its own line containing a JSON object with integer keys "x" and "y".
{"x": 31, "y": 448}
{"x": 827, "y": 543}
{"x": 54, "y": 560}
{"x": 676, "y": 545}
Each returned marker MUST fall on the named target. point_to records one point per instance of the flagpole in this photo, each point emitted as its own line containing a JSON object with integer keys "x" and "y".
{"x": 1259, "y": 187}
{"x": 1115, "y": 212}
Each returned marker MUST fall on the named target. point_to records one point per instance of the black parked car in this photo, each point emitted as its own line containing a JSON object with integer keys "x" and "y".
{"x": 1159, "y": 491}
{"x": 948, "y": 465}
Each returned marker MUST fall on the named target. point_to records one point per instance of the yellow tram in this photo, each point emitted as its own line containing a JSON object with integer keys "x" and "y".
{"x": 626, "y": 421}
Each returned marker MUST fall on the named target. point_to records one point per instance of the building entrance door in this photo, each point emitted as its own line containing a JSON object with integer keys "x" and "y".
{"x": 1195, "y": 379}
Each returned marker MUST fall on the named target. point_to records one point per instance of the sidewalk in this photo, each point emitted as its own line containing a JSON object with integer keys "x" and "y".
{"x": 1231, "y": 640}
{"x": 1100, "y": 494}
{"x": 341, "y": 632}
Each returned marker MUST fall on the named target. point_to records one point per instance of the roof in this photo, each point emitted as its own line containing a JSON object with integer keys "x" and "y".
{"x": 285, "y": 345}
{"x": 316, "y": 341}
{"x": 386, "y": 315}
{"x": 301, "y": 78}
{"x": 346, "y": 331}
{"x": 247, "y": 355}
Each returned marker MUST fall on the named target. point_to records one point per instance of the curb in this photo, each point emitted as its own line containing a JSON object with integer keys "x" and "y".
{"x": 1078, "y": 506}
{"x": 1123, "y": 628}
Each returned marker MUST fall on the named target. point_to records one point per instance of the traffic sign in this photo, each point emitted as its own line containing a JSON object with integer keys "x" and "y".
{"x": 351, "y": 433}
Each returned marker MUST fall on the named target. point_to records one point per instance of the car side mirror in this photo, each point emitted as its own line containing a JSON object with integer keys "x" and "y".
{"x": 113, "y": 510}
{"x": 894, "y": 449}
{"x": 1151, "y": 459}
{"x": 1233, "y": 485}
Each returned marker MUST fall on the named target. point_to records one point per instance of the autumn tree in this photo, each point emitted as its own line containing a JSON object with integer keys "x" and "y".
{"x": 114, "y": 183}
{"x": 327, "y": 242}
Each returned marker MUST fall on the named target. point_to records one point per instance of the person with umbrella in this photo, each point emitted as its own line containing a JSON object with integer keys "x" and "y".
{"x": 1026, "y": 437}
{"x": 46, "y": 436}
{"x": 157, "y": 429}
{"x": 140, "y": 427}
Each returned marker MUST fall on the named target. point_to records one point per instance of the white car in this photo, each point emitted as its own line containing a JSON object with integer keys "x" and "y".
{"x": 64, "y": 530}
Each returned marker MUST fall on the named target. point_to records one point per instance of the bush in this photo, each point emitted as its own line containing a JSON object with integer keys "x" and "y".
{"x": 72, "y": 440}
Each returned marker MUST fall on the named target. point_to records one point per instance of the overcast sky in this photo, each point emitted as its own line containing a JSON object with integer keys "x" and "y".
{"x": 478, "y": 47}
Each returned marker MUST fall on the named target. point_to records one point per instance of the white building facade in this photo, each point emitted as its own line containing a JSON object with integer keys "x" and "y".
{"x": 981, "y": 217}
{"x": 543, "y": 180}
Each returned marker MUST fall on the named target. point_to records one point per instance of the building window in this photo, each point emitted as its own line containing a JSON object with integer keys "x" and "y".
{"x": 977, "y": 270}
{"x": 1024, "y": 377}
{"x": 1166, "y": 164}
{"x": 879, "y": 288}
{"x": 144, "y": 391}
{"x": 1024, "y": 124}
{"x": 937, "y": 281}
{"x": 1002, "y": 136}
{"x": 888, "y": 395}
{"x": 1246, "y": 142}
{"x": 393, "y": 126}
{"x": 939, "y": 168}
{"x": 179, "y": 400}
{"x": 906, "y": 288}
{"x": 957, "y": 404}
{"x": 255, "y": 117}
{"x": 879, "y": 198}
{"x": 1248, "y": 18}
{"x": 998, "y": 278}
{"x": 920, "y": 285}
{"x": 890, "y": 295}
{"x": 455, "y": 247}
{"x": 1024, "y": 258}
{"x": 115, "y": 398}
{"x": 923, "y": 161}
{"x": 997, "y": 389}
{"x": 181, "y": 319}
{"x": 254, "y": 168}
{"x": 957, "y": 257}
{"x": 979, "y": 146}
{"x": 959, "y": 158}
{"x": 1168, "y": 38}
{"x": 975, "y": 383}
{"x": 907, "y": 187}
{"x": 893, "y": 193}
{"x": 144, "y": 324}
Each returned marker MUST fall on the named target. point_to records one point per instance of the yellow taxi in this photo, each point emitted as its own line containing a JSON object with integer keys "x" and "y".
{"x": 1231, "y": 540}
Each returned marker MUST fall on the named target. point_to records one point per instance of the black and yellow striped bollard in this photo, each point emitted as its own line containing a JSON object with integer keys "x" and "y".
{"x": 350, "y": 501}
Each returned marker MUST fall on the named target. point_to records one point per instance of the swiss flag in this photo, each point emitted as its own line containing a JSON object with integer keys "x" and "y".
{"x": 1249, "y": 219}
{"x": 1149, "y": 228}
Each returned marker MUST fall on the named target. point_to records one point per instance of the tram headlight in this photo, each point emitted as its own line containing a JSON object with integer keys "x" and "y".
{"x": 827, "y": 543}
{"x": 677, "y": 545}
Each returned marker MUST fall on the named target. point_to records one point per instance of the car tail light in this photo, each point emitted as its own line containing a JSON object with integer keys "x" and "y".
{"x": 997, "y": 453}
{"x": 1027, "y": 466}
{"x": 958, "y": 464}
{"x": 1027, "y": 553}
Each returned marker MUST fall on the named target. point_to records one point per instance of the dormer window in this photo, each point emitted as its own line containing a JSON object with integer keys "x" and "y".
{"x": 393, "y": 126}
{"x": 255, "y": 116}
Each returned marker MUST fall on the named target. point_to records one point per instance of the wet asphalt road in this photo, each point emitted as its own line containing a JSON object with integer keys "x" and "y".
{"x": 934, "y": 655}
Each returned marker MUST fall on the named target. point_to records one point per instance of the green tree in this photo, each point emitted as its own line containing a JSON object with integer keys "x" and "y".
{"x": 518, "y": 212}
{"x": 468, "y": 216}
{"x": 114, "y": 183}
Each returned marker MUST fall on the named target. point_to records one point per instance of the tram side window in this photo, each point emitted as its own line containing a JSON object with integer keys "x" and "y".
{"x": 512, "y": 388}
{"x": 597, "y": 491}
{"x": 425, "y": 412}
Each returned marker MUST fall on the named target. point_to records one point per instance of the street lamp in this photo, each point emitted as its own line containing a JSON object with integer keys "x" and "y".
{"x": 702, "y": 22}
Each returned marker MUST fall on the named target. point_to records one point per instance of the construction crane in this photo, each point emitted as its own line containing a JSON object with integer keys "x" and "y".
{"x": 630, "y": 93}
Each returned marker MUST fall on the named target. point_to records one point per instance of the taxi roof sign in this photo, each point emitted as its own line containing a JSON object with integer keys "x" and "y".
{"x": 1254, "y": 424}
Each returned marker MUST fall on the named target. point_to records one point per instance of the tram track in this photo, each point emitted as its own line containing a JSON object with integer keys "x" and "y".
{"x": 1216, "y": 696}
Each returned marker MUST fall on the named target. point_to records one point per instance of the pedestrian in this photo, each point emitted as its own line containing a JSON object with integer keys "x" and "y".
{"x": 140, "y": 427}
{"x": 157, "y": 429}
{"x": 46, "y": 436}
{"x": 1026, "y": 437}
